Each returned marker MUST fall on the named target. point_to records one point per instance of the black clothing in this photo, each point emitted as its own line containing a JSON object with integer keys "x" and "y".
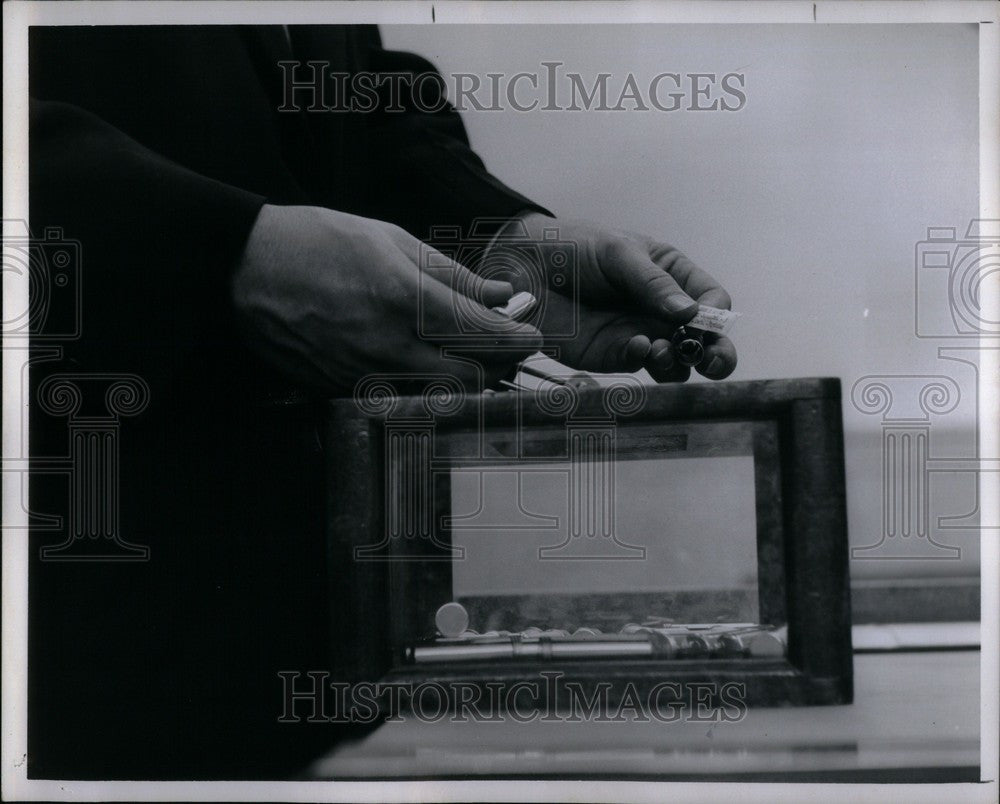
{"x": 155, "y": 147}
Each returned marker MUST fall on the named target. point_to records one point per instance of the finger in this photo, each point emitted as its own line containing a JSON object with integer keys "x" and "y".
{"x": 447, "y": 315}
{"x": 662, "y": 363}
{"x": 661, "y": 358}
{"x": 494, "y": 293}
{"x": 634, "y": 354}
{"x": 720, "y": 357}
{"x": 716, "y": 297}
{"x": 628, "y": 267}
{"x": 488, "y": 292}
{"x": 697, "y": 283}
{"x": 669, "y": 371}
{"x": 622, "y": 344}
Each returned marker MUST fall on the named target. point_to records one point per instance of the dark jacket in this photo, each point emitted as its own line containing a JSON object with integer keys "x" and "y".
{"x": 154, "y": 148}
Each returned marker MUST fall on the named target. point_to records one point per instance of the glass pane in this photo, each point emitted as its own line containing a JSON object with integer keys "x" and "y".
{"x": 682, "y": 545}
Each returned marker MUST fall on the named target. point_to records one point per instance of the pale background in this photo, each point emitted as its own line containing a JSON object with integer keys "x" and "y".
{"x": 807, "y": 204}
{"x": 688, "y": 544}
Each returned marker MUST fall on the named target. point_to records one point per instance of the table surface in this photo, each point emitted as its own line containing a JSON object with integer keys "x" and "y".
{"x": 915, "y": 718}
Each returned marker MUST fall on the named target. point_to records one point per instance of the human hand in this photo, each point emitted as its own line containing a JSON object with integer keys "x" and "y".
{"x": 328, "y": 298}
{"x": 633, "y": 293}
{"x": 609, "y": 341}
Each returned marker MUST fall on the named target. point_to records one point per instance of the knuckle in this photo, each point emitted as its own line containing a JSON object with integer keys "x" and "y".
{"x": 658, "y": 282}
{"x": 615, "y": 251}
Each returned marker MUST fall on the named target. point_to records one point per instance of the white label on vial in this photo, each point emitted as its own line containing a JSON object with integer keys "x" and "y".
{"x": 712, "y": 319}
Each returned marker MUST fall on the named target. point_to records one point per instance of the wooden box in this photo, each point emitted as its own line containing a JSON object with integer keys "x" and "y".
{"x": 392, "y": 557}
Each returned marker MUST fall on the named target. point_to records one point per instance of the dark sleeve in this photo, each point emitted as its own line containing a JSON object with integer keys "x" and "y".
{"x": 427, "y": 159}
{"x": 157, "y": 243}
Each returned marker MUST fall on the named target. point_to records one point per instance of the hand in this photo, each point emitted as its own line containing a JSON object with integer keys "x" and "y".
{"x": 609, "y": 341}
{"x": 329, "y": 297}
{"x": 634, "y": 292}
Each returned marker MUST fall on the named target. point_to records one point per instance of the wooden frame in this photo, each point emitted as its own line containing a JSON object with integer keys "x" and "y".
{"x": 391, "y": 555}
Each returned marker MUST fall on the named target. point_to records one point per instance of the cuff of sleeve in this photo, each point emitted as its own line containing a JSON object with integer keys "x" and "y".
{"x": 495, "y": 228}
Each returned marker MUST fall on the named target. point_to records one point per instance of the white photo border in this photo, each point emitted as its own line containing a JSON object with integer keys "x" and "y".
{"x": 19, "y": 15}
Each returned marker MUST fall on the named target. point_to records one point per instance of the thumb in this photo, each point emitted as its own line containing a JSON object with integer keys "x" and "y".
{"x": 628, "y": 267}
{"x": 488, "y": 292}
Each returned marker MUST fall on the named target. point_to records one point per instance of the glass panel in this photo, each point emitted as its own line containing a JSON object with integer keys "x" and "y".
{"x": 685, "y": 525}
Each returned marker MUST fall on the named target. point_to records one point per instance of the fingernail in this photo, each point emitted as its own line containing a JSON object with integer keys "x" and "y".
{"x": 664, "y": 359}
{"x": 678, "y": 303}
{"x": 495, "y": 293}
{"x": 637, "y": 350}
{"x": 715, "y": 366}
